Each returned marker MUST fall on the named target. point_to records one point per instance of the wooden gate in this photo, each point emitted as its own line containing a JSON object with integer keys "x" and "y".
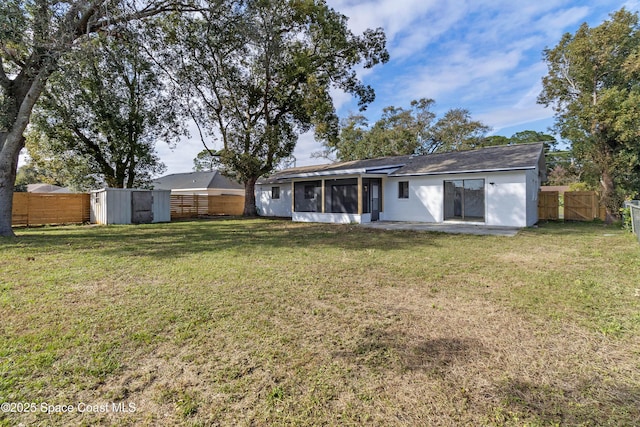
{"x": 548, "y": 206}
{"x": 582, "y": 206}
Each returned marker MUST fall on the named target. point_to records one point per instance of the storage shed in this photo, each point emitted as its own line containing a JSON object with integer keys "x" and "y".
{"x": 130, "y": 206}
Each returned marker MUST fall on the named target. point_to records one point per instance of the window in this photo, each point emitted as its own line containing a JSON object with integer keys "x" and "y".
{"x": 341, "y": 196}
{"x": 403, "y": 190}
{"x": 307, "y": 196}
{"x": 275, "y": 192}
{"x": 309, "y": 192}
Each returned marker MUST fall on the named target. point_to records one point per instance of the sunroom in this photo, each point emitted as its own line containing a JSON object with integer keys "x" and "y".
{"x": 351, "y": 199}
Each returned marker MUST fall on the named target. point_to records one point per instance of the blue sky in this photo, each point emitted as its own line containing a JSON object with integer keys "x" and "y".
{"x": 482, "y": 55}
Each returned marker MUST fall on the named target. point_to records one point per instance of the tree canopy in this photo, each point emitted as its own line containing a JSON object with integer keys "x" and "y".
{"x": 593, "y": 85}
{"x": 402, "y": 131}
{"x": 259, "y": 73}
{"x": 106, "y": 107}
{"x": 34, "y": 34}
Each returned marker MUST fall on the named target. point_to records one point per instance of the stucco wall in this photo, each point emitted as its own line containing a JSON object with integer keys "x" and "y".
{"x": 533, "y": 187}
{"x": 273, "y": 207}
{"x": 505, "y": 199}
{"x": 333, "y": 218}
{"x": 423, "y": 205}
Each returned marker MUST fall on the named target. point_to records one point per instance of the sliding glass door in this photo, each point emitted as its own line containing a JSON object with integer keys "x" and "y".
{"x": 464, "y": 199}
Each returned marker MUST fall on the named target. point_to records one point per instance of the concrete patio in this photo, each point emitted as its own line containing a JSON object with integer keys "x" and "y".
{"x": 454, "y": 228}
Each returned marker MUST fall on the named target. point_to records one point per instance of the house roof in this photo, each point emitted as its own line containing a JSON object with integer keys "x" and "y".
{"x": 196, "y": 180}
{"x": 46, "y": 188}
{"x": 498, "y": 158}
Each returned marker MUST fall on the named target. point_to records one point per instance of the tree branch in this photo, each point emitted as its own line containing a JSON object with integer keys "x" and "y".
{"x": 4, "y": 80}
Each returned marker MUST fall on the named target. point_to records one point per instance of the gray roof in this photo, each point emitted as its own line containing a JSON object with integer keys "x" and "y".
{"x": 354, "y": 166}
{"x": 46, "y": 188}
{"x": 192, "y": 180}
{"x": 498, "y": 158}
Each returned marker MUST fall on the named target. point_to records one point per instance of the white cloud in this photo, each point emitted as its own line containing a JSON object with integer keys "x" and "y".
{"x": 305, "y": 147}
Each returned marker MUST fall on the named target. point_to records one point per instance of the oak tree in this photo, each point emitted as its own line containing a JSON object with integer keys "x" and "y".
{"x": 34, "y": 34}
{"x": 593, "y": 85}
{"x": 259, "y": 73}
{"x": 108, "y": 106}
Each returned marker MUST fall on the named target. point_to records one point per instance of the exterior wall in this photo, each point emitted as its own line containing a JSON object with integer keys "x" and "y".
{"x": 510, "y": 200}
{"x": 423, "y": 205}
{"x": 505, "y": 199}
{"x": 98, "y": 207}
{"x": 533, "y": 186}
{"x": 161, "y": 206}
{"x": 113, "y": 206}
{"x": 273, "y": 207}
{"x": 334, "y": 218}
{"x": 118, "y": 206}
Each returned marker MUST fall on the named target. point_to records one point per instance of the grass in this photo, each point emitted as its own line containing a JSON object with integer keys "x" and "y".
{"x": 255, "y": 322}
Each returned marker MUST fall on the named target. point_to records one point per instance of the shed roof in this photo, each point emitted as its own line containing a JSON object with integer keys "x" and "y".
{"x": 193, "y": 180}
{"x": 498, "y": 158}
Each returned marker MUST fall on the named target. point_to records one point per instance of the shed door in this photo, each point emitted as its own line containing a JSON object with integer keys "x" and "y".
{"x": 141, "y": 207}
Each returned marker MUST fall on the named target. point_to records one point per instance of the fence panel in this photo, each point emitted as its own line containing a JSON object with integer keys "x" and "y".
{"x": 226, "y": 205}
{"x": 188, "y": 205}
{"x": 582, "y": 206}
{"x": 45, "y": 208}
{"x": 548, "y": 205}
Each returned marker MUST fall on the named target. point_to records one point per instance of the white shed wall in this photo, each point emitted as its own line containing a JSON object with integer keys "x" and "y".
{"x": 118, "y": 206}
{"x": 273, "y": 207}
{"x": 113, "y": 206}
{"x": 161, "y": 206}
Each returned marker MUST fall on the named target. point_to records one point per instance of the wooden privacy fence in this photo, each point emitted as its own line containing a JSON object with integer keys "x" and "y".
{"x": 45, "y": 208}
{"x": 583, "y": 206}
{"x": 548, "y": 205}
{"x": 193, "y": 205}
{"x": 578, "y": 206}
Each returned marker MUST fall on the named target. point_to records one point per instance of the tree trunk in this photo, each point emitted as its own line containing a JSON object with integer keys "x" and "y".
{"x": 24, "y": 93}
{"x": 609, "y": 197}
{"x": 250, "y": 198}
{"x": 8, "y": 168}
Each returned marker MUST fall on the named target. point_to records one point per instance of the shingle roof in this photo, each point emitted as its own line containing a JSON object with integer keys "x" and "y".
{"x": 503, "y": 157}
{"x": 189, "y": 180}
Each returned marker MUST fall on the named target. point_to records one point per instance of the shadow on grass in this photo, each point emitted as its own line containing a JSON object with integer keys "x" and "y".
{"x": 176, "y": 239}
{"x": 381, "y": 348}
{"x": 590, "y": 402}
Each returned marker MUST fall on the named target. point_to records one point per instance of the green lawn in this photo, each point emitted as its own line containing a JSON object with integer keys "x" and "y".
{"x": 256, "y": 322}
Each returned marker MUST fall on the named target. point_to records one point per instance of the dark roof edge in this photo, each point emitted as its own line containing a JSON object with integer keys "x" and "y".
{"x": 515, "y": 168}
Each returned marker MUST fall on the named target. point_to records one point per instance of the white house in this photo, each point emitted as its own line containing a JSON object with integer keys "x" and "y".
{"x": 494, "y": 186}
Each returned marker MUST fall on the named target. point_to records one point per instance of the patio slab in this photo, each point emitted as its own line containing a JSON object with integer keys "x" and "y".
{"x": 444, "y": 228}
